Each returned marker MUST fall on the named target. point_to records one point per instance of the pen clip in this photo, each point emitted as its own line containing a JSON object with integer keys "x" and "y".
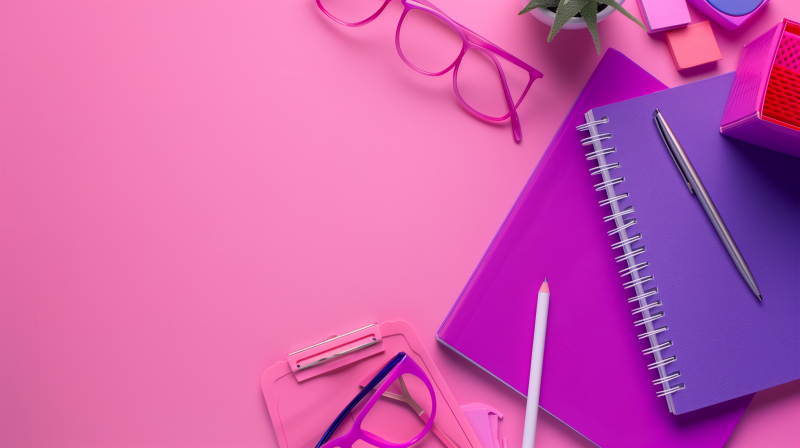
{"x": 670, "y": 141}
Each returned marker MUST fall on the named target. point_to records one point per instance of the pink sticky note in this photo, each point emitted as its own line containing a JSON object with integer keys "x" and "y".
{"x": 662, "y": 15}
{"x": 692, "y": 46}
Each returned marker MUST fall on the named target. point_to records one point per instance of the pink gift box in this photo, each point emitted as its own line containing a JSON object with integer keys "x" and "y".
{"x": 764, "y": 105}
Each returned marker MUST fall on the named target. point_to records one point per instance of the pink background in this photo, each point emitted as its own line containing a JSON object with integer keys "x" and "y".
{"x": 189, "y": 190}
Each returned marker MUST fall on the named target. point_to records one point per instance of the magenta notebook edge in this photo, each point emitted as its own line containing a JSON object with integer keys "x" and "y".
{"x": 610, "y": 55}
{"x": 496, "y": 334}
{"x": 499, "y": 379}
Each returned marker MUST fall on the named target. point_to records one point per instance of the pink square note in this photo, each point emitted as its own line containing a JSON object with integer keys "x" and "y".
{"x": 694, "y": 45}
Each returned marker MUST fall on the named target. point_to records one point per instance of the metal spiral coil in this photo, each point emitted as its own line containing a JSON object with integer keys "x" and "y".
{"x": 595, "y": 138}
{"x": 624, "y": 257}
{"x": 637, "y": 281}
{"x": 647, "y": 320}
{"x": 586, "y": 126}
{"x": 671, "y": 377}
{"x": 672, "y": 390}
{"x": 603, "y": 168}
{"x": 614, "y": 199}
{"x": 657, "y": 348}
{"x": 608, "y": 183}
{"x": 653, "y": 333}
{"x": 595, "y": 154}
{"x": 618, "y": 214}
{"x": 662, "y": 363}
{"x": 647, "y": 307}
{"x": 634, "y": 266}
{"x": 627, "y": 241}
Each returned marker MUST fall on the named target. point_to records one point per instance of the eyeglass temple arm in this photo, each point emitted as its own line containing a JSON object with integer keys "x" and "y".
{"x": 480, "y": 41}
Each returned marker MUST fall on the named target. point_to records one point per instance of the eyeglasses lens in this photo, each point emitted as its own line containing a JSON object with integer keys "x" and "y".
{"x": 395, "y": 417}
{"x": 428, "y": 43}
{"x": 351, "y": 11}
{"x": 480, "y": 86}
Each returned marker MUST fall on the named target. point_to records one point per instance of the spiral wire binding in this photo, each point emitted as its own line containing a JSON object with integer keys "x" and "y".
{"x": 630, "y": 255}
{"x": 595, "y": 154}
{"x": 646, "y": 307}
{"x": 614, "y": 199}
{"x": 637, "y": 282}
{"x": 631, "y": 269}
{"x": 648, "y": 293}
{"x": 668, "y": 378}
{"x": 661, "y": 363}
{"x": 630, "y": 240}
{"x": 615, "y": 215}
{"x": 657, "y": 348}
{"x": 647, "y": 320}
{"x": 600, "y": 169}
{"x": 652, "y": 333}
{"x": 608, "y": 183}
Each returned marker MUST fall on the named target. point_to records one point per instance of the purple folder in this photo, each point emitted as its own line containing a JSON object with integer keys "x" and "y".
{"x": 595, "y": 378}
{"x": 716, "y": 340}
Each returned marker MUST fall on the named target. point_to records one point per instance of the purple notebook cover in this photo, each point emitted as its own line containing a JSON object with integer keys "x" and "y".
{"x": 726, "y": 343}
{"x": 595, "y": 378}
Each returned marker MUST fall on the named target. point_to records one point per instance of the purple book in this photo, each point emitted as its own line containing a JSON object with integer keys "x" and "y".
{"x": 713, "y": 340}
{"x": 595, "y": 378}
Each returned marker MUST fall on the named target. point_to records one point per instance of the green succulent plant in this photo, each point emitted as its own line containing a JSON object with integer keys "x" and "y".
{"x": 567, "y": 9}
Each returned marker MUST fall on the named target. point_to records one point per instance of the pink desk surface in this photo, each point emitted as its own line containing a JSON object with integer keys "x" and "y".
{"x": 191, "y": 189}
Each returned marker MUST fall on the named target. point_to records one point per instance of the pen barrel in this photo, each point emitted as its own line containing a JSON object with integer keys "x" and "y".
{"x": 725, "y": 236}
{"x": 696, "y": 186}
{"x": 717, "y": 222}
{"x": 535, "y": 380}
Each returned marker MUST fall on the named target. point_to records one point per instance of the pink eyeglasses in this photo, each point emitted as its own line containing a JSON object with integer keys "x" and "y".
{"x": 401, "y": 365}
{"x": 432, "y": 43}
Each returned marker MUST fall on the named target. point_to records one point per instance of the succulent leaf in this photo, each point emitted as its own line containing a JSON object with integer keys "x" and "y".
{"x": 589, "y": 13}
{"x": 539, "y": 4}
{"x": 565, "y": 12}
{"x": 618, "y": 7}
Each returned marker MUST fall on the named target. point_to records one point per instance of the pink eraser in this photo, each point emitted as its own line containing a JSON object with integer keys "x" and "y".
{"x": 693, "y": 45}
{"x": 662, "y": 15}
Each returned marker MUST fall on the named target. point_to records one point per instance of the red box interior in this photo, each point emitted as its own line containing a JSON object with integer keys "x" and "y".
{"x": 782, "y": 101}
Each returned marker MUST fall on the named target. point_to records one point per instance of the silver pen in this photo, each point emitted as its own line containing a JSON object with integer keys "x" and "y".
{"x": 695, "y": 185}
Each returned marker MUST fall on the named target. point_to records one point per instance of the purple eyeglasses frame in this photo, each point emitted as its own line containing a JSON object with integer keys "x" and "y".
{"x": 470, "y": 41}
{"x": 401, "y": 364}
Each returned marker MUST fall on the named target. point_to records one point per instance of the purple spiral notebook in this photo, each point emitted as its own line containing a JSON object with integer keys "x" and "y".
{"x": 595, "y": 378}
{"x": 713, "y": 340}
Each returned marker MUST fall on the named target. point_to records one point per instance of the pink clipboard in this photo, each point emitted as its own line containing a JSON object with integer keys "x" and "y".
{"x": 306, "y": 391}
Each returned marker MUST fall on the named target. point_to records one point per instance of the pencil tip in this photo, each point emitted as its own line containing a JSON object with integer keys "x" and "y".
{"x": 545, "y": 279}
{"x": 545, "y": 287}
{"x": 759, "y": 298}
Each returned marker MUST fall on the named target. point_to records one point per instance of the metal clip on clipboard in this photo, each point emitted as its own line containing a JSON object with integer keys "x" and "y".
{"x": 336, "y": 351}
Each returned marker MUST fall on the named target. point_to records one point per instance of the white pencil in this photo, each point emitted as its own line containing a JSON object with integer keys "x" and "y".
{"x": 535, "y": 381}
